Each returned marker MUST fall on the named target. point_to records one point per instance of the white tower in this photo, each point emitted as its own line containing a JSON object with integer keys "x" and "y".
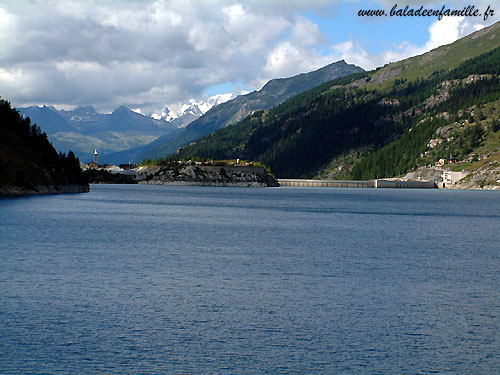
{"x": 95, "y": 156}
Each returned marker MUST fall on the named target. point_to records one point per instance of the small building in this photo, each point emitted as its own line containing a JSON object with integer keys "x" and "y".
{"x": 440, "y": 163}
{"x": 92, "y": 165}
{"x": 128, "y": 166}
{"x": 451, "y": 178}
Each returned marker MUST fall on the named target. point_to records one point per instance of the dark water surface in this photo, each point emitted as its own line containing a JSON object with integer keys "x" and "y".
{"x": 191, "y": 280}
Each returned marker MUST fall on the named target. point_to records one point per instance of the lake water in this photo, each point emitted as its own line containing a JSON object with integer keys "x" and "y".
{"x": 190, "y": 280}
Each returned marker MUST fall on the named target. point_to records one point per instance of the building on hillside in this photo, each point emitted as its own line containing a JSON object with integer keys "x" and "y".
{"x": 451, "y": 178}
{"x": 440, "y": 163}
{"x": 128, "y": 166}
{"x": 92, "y": 165}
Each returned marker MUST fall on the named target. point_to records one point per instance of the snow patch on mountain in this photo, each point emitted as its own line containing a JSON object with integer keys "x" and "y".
{"x": 186, "y": 113}
{"x": 166, "y": 115}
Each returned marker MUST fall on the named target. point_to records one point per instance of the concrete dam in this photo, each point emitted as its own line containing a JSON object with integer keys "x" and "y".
{"x": 374, "y": 184}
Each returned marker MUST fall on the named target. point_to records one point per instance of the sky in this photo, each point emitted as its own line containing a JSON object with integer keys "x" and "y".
{"x": 152, "y": 54}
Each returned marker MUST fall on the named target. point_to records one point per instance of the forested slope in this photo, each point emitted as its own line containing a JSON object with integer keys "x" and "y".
{"x": 29, "y": 163}
{"x": 349, "y": 129}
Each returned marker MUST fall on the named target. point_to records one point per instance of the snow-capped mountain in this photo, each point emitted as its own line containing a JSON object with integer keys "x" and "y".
{"x": 189, "y": 112}
{"x": 166, "y": 115}
{"x": 204, "y": 107}
{"x": 192, "y": 109}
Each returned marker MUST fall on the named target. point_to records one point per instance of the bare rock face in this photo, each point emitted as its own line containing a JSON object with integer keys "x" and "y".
{"x": 204, "y": 175}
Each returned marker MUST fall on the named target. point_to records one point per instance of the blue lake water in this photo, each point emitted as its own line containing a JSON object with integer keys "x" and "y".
{"x": 190, "y": 280}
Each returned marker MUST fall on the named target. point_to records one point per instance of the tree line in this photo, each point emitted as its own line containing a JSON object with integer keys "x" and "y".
{"x": 28, "y": 158}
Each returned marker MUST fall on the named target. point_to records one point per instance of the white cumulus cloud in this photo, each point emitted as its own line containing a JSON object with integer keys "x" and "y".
{"x": 441, "y": 32}
{"x": 151, "y": 53}
{"x": 142, "y": 54}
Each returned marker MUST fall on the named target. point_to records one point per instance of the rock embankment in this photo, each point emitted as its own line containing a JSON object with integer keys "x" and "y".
{"x": 203, "y": 175}
{"x": 486, "y": 177}
{"x": 17, "y": 191}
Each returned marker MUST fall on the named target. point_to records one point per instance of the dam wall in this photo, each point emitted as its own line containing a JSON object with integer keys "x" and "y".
{"x": 326, "y": 183}
{"x": 380, "y": 184}
{"x": 374, "y": 184}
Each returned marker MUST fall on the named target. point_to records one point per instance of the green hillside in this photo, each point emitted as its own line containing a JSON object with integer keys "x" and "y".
{"x": 440, "y": 59}
{"x": 28, "y": 162}
{"x": 363, "y": 126}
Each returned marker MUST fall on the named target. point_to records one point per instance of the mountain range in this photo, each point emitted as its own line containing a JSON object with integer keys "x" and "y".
{"x": 192, "y": 111}
{"x": 83, "y": 129}
{"x": 126, "y": 136}
{"x": 273, "y": 93}
{"x": 441, "y": 107}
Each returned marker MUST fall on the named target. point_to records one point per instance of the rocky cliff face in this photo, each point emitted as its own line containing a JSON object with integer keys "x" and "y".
{"x": 203, "y": 175}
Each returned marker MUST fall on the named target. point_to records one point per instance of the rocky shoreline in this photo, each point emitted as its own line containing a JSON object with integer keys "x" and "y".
{"x": 206, "y": 175}
{"x": 485, "y": 178}
{"x": 19, "y": 191}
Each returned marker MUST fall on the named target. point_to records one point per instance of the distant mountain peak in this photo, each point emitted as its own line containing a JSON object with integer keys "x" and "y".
{"x": 166, "y": 115}
{"x": 122, "y": 110}
{"x": 192, "y": 109}
{"x": 86, "y": 108}
{"x": 169, "y": 115}
{"x": 50, "y": 107}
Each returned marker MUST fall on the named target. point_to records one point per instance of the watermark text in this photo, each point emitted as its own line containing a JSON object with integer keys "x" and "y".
{"x": 444, "y": 11}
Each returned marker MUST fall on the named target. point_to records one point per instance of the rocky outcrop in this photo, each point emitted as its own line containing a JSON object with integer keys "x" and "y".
{"x": 207, "y": 175}
{"x": 484, "y": 178}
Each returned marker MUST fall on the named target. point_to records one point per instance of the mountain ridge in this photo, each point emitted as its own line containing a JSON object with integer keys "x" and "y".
{"x": 273, "y": 92}
{"x": 84, "y": 129}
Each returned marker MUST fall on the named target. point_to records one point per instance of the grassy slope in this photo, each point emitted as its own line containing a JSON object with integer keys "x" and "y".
{"x": 484, "y": 167}
{"x": 442, "y": 58}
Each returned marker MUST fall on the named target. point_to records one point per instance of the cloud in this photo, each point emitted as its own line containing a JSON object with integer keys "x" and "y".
{"x": 305, "y": 33}
{"x": 286, "y": 59}
{"x": 441, "y": 32}
{"x": 444, "y": 31}
{"x": 151, "y": 53}
{"x": 143, "y": 54}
